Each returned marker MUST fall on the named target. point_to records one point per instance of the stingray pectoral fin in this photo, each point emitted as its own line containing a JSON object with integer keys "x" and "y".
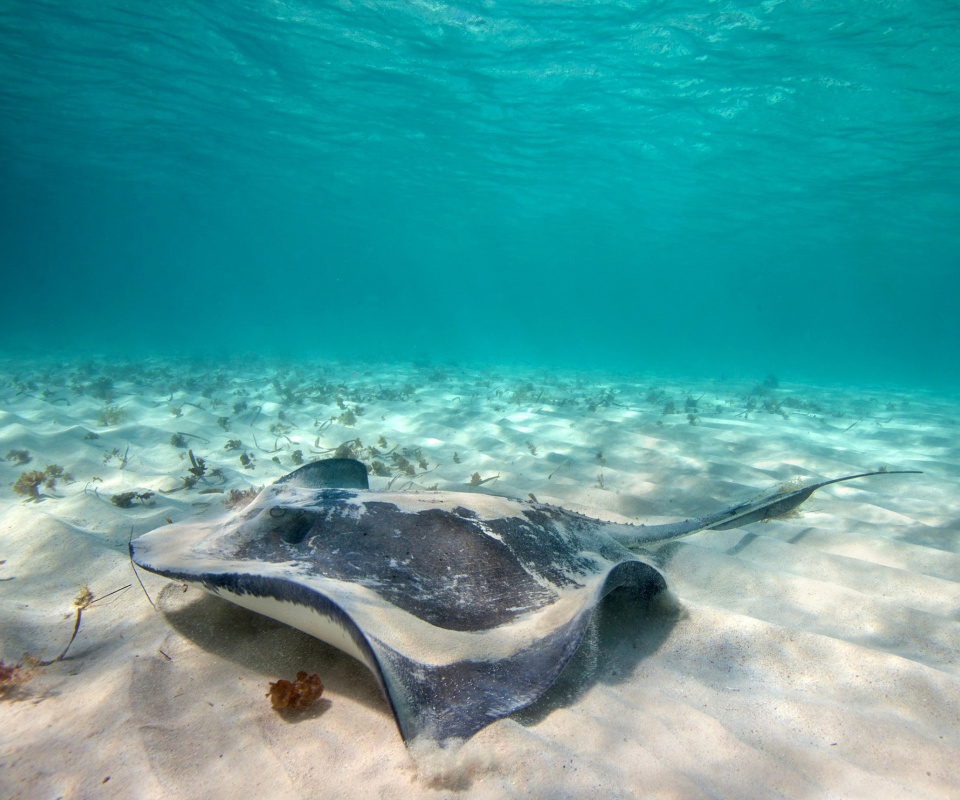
{"x": 455, "y": 700}
{"x": 768, "y": 507}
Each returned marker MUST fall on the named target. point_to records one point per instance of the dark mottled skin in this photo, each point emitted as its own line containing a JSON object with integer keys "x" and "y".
{"x": 440, "y": 565}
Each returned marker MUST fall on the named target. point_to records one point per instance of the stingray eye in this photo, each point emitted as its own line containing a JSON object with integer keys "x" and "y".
{"x": 277, "y": 511}
{"x": 294, "y": 527}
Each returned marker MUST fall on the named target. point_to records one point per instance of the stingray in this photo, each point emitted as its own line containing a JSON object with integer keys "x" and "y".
{"x": 465, "y": 607}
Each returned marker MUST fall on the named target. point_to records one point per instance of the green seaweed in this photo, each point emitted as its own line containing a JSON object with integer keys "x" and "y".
{"x": 347, "y": 418}
{"x": 111, "y": 415}
{"x": 349, "y": 449}
{"x": 102, "y": 388}
{"x": 12, "y": 677}
{"x": 199, "y": 466}
{"x": 19, "y": 457}
{"x": 55, "y": 472}
{"x": 28, "y": 484}
{"x": 240, "y": 497}
{"x": 125, "y": 499}
{"x": 121, "y": 458}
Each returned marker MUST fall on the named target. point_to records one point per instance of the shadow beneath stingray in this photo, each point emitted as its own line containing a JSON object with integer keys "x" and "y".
{"x": 623, "y": 632}
{"x": 263, "y": 645}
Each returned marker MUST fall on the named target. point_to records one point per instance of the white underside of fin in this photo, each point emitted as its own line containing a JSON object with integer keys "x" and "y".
{"x": 303, "y": 618}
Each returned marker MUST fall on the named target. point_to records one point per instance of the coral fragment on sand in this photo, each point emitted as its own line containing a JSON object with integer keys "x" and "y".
{"x": 296, "y": 695}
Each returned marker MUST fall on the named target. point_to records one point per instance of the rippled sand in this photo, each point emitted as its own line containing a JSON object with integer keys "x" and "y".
{"x": 810, "y": 656}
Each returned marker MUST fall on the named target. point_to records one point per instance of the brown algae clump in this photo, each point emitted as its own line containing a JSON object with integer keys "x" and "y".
{"x": 295, "y": 695}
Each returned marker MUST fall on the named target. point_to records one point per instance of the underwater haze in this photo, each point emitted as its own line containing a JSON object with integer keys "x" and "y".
{"x": 693, "y": 187}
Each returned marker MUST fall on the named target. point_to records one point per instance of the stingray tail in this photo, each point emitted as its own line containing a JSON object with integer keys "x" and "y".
{"x": 767, "y": 507}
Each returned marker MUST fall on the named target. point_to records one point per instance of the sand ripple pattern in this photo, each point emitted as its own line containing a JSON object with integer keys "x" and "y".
{"x": 811, "y": 656}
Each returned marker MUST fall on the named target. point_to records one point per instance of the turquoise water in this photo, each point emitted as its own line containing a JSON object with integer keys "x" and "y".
{"x": 700, "y": 187}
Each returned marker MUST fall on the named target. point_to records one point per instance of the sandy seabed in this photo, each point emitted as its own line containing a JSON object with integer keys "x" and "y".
{"x": 810, "y": 656}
